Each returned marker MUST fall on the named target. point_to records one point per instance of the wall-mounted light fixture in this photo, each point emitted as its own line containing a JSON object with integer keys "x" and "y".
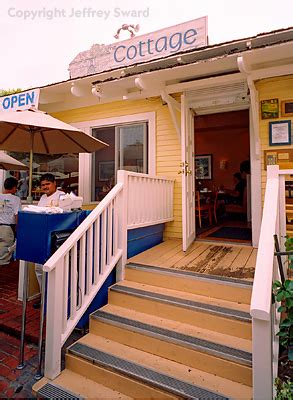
{"x": 96, "y": 91}
{"x": 76, "y": 90}
{"x": 140, "y": 83}
{"x": 223, "y": 164}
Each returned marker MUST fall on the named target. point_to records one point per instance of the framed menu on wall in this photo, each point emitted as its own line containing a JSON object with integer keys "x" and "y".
{"x": 280, "y": 133}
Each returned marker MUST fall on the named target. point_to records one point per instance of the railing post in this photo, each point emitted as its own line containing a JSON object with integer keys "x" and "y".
{"x": 262, "y": 359}
{"x": 122, "y": 177}
{"x": 54, "y": 316}
{"x": 282, "y": 218}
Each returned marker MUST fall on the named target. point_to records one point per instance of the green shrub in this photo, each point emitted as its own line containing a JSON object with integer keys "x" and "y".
{"x": 284, "y": 390}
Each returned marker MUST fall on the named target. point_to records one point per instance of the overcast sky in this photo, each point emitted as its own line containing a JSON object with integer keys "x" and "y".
{"x": 40, "y": 38}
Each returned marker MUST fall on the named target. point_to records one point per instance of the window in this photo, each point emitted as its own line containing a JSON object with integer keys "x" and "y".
{"x": 128, "y": 150}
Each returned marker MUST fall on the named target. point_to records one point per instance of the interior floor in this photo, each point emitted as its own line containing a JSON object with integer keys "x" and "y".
{"x": 229, "y": 228}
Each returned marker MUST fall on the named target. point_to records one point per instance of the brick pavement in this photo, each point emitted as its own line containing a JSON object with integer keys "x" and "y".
{"x": 16, "y": 383}
{"x": 11, "y": 308}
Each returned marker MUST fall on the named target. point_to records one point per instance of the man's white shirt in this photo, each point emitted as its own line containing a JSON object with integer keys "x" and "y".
{"x": 53, "y": 200}
{"x": 9, "y": 207}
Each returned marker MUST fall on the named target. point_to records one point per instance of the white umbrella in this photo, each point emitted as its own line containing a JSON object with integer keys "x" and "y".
{"x": 26, "y": 162}
{"x": 10, "y": 164}
{"x": 67, "y": 163}
{"x": 34, "y": 131}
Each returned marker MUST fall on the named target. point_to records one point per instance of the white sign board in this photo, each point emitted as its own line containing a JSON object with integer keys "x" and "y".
{"x": 20, "y": 101}
{"x": 159, "y": 44}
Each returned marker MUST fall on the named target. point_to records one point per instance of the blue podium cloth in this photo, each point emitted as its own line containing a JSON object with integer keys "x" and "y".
{"x": 34, "y": 232}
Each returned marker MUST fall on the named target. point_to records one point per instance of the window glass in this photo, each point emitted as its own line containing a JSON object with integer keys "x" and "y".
{"x": 103, "y": 165}
{"x": 63, "y": 166}
{"x": 128, "y": 150}
{"x": 131, "y": 146}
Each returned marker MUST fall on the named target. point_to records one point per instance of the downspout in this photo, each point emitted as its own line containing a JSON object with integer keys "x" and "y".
{"x": 254, "y": 101}
{"x": 256, "y": 199}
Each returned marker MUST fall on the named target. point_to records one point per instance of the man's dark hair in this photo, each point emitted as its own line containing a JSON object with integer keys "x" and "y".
{"x": 238, "y": 176}
{"x": 10, "y": 183}
{"x": 48, "y": 177}
{"x": 245, "y": 167}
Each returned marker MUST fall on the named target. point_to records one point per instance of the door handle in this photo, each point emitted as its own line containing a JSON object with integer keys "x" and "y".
{"x": 184, "y": 169}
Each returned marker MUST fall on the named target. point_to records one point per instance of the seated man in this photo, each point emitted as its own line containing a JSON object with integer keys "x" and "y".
{"x": 235, "y": 196}
{"x": 9, "y": 207}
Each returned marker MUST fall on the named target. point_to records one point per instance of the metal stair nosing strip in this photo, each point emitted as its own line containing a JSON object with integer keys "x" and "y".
{"x": 53, "y": 391}
{"x": 189, "y": 304}
{"x": 143, "y": 374}
{"x": 192, "y": 275}
{"x": 202, "y": 345}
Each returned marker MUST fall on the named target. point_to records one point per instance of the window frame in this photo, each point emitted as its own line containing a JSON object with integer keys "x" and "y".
{"x": 85, "y": 160}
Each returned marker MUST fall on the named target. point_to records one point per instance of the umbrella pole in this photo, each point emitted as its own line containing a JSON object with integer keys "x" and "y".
{"x": 30, "y": 184}
{"x": 42, "y": 311}
{"x": 21, "y": 364}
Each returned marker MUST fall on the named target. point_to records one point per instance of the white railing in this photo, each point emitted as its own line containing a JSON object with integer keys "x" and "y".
{"x": 78, "y": 269}
{"x": 265, "y": 318}
{"x": 154, "y": 203}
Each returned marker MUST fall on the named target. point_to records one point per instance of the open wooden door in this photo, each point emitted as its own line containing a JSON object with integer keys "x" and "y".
{"x": 187, "y": 171}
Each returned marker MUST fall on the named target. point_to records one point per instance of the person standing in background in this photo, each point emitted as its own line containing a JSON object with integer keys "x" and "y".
{"x": 51, "y": 195}
{"x": 9, "y": 207}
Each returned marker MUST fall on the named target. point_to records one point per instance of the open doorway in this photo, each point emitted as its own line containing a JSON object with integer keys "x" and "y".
{"x": 222, "y": 170}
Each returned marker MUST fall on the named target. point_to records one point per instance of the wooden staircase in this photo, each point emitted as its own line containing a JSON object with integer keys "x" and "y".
{"x": 164, "y": 334}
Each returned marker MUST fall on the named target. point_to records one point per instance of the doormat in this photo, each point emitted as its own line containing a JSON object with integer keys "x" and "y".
{"x": 232, "y": 232}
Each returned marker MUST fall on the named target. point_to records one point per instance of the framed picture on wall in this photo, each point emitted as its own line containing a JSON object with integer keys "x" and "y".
{"x": 106, "y": 170}
{"x": 269, "y": 108}
{"x": 280, "y": 133}
{"x": 203, "y": 166}
{"x": 287, "y": 108}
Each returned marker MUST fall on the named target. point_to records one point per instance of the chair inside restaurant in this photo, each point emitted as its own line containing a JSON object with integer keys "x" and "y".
{"x": 219, "y": 218}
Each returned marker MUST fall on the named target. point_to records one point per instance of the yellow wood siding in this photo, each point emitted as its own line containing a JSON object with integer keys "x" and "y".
{"x": 168, "y": 154}
{"x": 277, "y": 88}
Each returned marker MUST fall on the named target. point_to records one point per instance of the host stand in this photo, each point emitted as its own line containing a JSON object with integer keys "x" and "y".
{"x": 36, "y": 242}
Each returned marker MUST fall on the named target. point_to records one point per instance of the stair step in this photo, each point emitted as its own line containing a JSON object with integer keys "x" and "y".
{"x": 141, "y": 373}
{"x": 232, "y": 305}
{"x": 189, "y": 304}
{"x": 185, "y": 328}
{"x": 202, "y": 345}
{"x": 70, "y": 382}
{"x": 219, "y": 287}
{"x": 182, "y": 307}
{"x": 53, "y": 391}
{"x": 190, "y": 274}
{"x": 193, "y": 375}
